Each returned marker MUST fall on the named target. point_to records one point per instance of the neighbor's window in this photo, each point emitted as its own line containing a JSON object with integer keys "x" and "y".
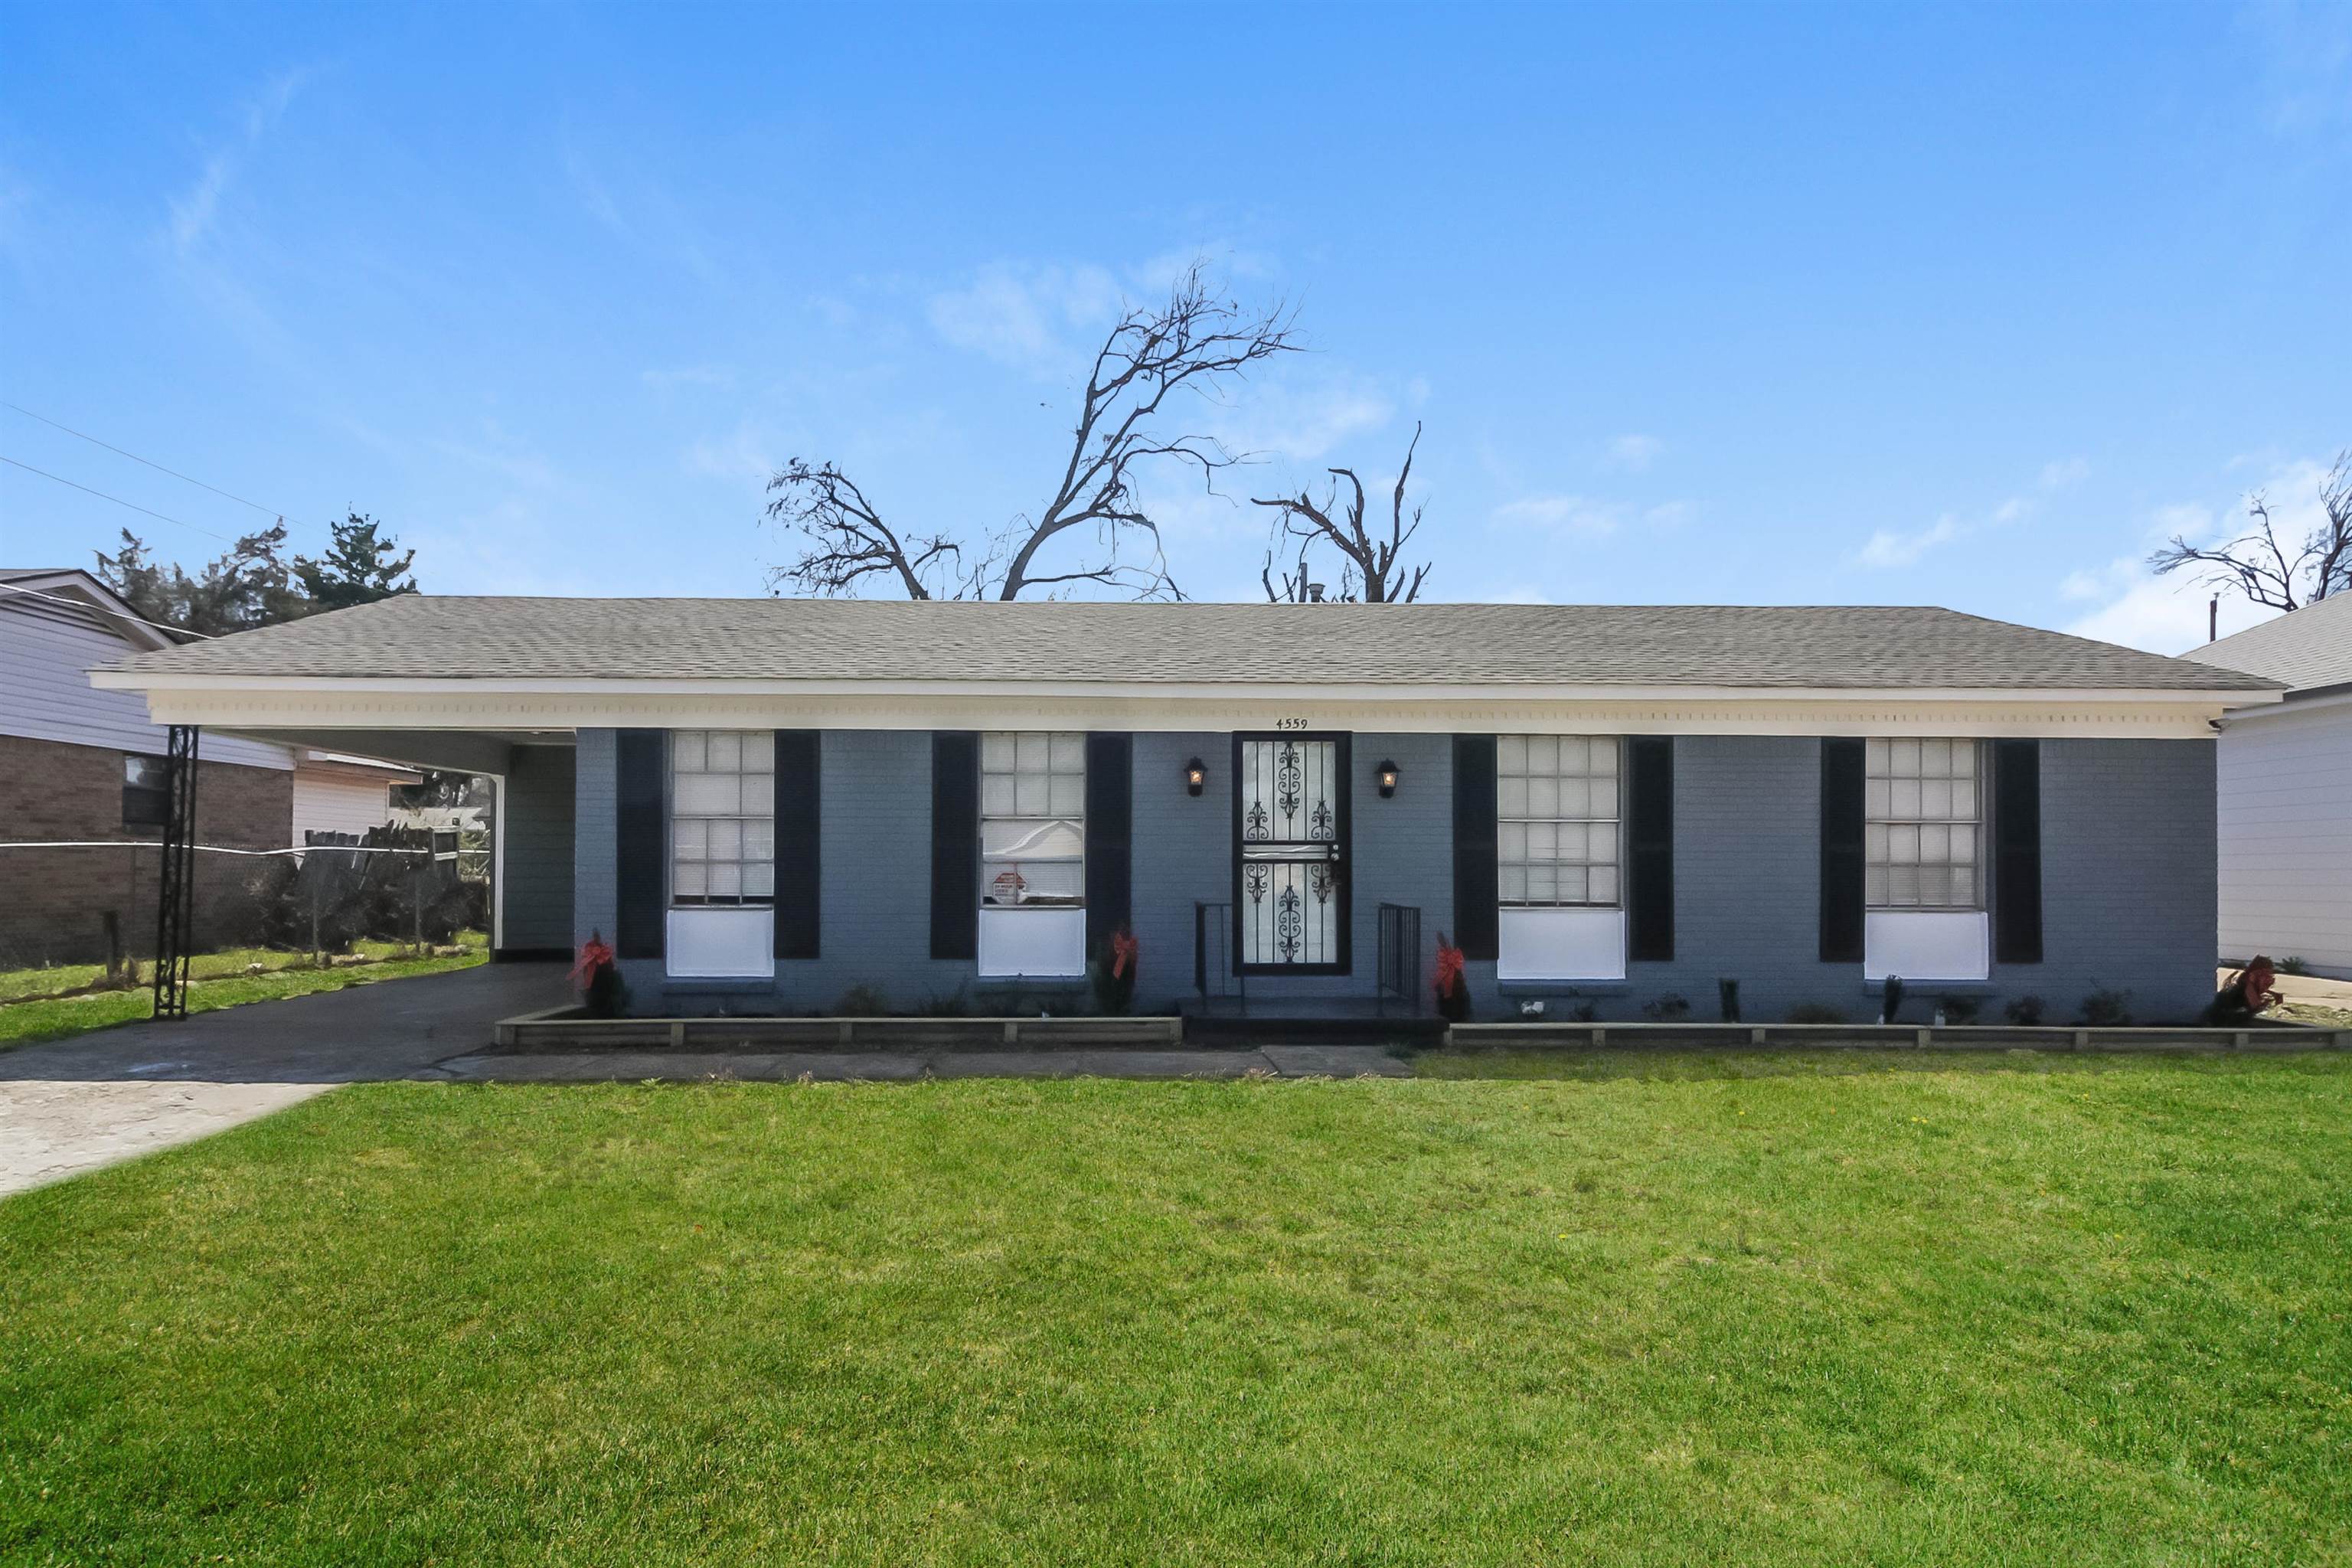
{"x": 146, "y": 791}
{"x": 722, "y": 811}
{"x": 1922, "y": 818}
{"x": 1033, "y": 819}
{"x": 1557, "y": 819}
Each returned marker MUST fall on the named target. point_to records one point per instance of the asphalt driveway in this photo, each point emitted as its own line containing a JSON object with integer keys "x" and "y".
{"x": 73, "y": 1105}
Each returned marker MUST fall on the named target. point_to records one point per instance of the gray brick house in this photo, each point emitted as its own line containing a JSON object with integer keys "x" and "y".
{"x": 766, "y": 803}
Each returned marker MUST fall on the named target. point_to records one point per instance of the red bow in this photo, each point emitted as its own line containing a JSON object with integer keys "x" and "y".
{"x": 594, "y": 955}
{"x": 1449, "y": 968}
{"x": 1122, "y": 953}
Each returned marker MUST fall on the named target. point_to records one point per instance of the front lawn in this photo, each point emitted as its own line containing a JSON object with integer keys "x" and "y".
{"x": 1761, "y": 1309}
{"x": 215, "y": 980}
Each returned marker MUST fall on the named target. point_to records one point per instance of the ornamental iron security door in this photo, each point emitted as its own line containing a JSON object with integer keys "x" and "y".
{"x": 1290, "y": 854}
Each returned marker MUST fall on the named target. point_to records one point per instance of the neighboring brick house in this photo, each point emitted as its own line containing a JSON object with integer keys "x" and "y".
{"x": 767, "y": 804}
{"x": 83, "y": 766}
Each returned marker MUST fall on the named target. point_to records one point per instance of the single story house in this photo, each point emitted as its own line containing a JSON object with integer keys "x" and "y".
{"x": 767, "y": 803}
{"x": 2286, "y": 791}
{"x": 84, "y": 767}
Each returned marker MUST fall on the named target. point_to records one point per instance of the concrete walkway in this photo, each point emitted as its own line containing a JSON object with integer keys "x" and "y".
{"x": 76, "y": 1104}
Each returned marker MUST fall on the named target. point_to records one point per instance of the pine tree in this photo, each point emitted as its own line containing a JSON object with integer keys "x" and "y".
{"x": 361, "y": 565}
{"x": 248, "y": 587}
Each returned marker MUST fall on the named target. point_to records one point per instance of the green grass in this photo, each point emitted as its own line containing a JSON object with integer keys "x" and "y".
{"x": 219, "y": 981}
{"x": 1761, "y": 1309}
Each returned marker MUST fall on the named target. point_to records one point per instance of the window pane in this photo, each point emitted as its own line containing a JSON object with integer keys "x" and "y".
{"x": 1906, "y": 800}
{"x": 1874, "y": 885}
{"x": 1934, "y": 843}
{"x": 1543, "y": 796}
{"x": 1935, "y": 759}
{"x": 1905, "y": 754}
{"x": 996, "y": 794}
{"x": 1875, "y": 798}
{"x": 726, "y": 752}
{"x": 1069, "y": 753}
{"x": 1066, "y": 794}
{"x": 725, "y": 879}
{"x": 1604, "y": 797}
{"x": 686, "y": 751}
{"x": 692, "y": 838}
{"x": 1571, "y": 885}
{"x": 1874, "y": 759}
{"x": 1542, "y": 884}
{"x": 1603, "y": 884}
{"x": 760, "y": 839}
{"x": 727, "y": 840}
{"x": 760, "y": 881}
{"x": 708, "y": 794}
{"x": 1032, "y": 794}
{"x": 1575, "y": 798}
{"x": 1511, "y": 840}
{"x": 1935, "y": 799}
{"x": 1543, "y": 840}
{"x": 1510, "y": 754}
{"x": 1964, "y": 800}
{"x": 1031, "y": 751}
{"x": 1903, "y": 884}
{"x": 1514, "y": 884}
{"x": 1511, "y": 795}
{"x": 1604, "y": 758}
{"x": 758, "y": 794}
{"x": 691, "y": 882}
{"x": 996, "y": 751}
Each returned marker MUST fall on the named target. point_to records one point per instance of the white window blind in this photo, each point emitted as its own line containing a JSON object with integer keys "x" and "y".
{"x": 1922, "y": 825}
{"x": 1556, "y": 811}
{"x": 1033, "y": 818}
{"x": 722, "y": 809}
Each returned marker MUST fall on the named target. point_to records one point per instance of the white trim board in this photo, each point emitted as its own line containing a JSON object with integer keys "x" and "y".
{"x": 318, "y": 707}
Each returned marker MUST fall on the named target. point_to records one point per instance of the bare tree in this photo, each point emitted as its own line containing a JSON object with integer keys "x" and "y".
{"x": 2258, "y": 566}
{"x": 1196, "y": 342}
{"x": 1372, "y": 566}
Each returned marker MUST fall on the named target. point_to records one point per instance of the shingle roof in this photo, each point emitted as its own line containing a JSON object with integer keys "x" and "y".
{"x": 2312, "y": 647}
{"x": 875, "y": 640}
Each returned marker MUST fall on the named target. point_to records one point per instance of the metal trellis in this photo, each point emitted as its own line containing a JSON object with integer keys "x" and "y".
{"x": 176, "y": 895}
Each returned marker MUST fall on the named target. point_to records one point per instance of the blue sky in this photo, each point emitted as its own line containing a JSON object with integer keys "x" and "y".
{"x": 1824, "y": 304}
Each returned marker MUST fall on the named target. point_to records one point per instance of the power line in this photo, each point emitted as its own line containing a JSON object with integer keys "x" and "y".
{"x": 84, "y": 604}
{"x": 265, "y": 512}
{"x": 117, "y": 500}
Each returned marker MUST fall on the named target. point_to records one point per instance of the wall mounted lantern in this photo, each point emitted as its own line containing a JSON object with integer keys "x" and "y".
{"x": 1196, "y": 774}
{"x": 1388, "y": 780}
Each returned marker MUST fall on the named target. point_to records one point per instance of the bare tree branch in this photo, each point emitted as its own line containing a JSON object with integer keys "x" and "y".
{"x": 2257, "y": 566}
{"x": 1196, "y": 342}
{"x": 1371, "y": 564}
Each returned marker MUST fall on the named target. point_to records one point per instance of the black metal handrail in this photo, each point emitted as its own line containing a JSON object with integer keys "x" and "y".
{"x": 1398, "y": 972}
{"x": 1214, "y": 974}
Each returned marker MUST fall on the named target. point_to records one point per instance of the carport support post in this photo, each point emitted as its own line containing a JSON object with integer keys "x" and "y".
{"x": 417, "y": 902}
{"x": 175, "y": 890}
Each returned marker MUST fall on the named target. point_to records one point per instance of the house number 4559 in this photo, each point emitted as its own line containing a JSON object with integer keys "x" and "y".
{"x": 1290, "y": 723}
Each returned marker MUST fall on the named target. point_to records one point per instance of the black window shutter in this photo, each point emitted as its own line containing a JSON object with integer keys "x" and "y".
{"x": 1650, "y": 845}
{"x": 1476, "y": 930}
{"x": 2017, "y": 851}
{"x": 641, "y": 843}
{"x": 798, "y": 778}
{"x": 1841, "y": 856}
{"x": 955, "y": 844}
{"x": 1111, "y": 827}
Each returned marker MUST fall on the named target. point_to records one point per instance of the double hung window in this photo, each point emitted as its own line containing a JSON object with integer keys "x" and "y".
{"x": 1033, "y": 819}
{"x": 722, "y": 817}
{"x": 1556, "y": 820}
{"x": 1922, "y": 824}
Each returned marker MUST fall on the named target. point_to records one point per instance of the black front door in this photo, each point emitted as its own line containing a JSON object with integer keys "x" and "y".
{"x": 1290, "y": 854}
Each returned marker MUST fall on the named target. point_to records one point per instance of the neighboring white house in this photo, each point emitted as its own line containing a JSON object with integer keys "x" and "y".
{"x": 336, "y": 793}
{"x": 2285, "y": 804}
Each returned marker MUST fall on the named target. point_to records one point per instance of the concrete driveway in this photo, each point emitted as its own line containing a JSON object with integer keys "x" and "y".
{"x": 73, "y": 1105}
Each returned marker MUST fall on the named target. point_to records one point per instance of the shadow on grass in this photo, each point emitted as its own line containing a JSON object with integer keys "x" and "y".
{"x": 1677, "y": 1066}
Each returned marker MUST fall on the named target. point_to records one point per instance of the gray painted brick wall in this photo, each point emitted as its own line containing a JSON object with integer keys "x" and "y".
{"x": 596, "y": 900}
{"x": 538, "y": 859}
{"x": 2127, "y": 845}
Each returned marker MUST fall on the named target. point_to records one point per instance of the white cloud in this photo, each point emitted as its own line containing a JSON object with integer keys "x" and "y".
{"x": 1635, "y": 453}
{"x": 1302, "y": 414}
{"x": 743, "y": 453}
{"x": 1888, "y": 548}
{"x": 194, "y": 211}
{"x": 2065, "y": 471}
{"x": 2167, "y": 615}
{"x": 1586, "y": 516}
{"x": 1024, "y": 316}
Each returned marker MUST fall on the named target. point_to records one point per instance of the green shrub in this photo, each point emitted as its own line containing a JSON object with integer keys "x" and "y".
{"x": 1815, "y": 1013}
{"x": 2025, "y": 1012}
{"x": 1958, "y": 1009}
{"x": 1727, "y": 1000}
{"x": 1670, "y": 1008}
{"x": 2106, "y": 1010}
{"x": 946, "y": 1005}
{"x": 863, "y": 1002}
{"x": 2293, "y": 964}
